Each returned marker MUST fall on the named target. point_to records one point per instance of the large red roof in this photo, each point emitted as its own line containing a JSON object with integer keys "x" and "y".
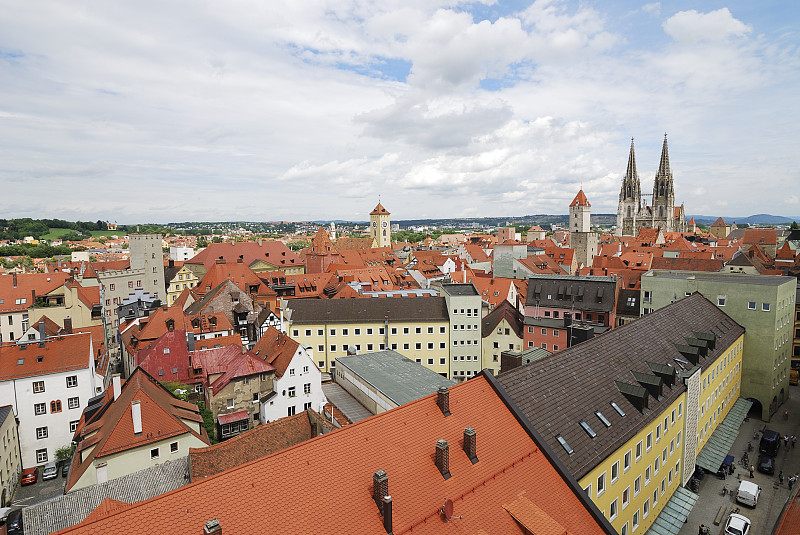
{"x": 324, "y": 485}
{"x": 580, "y": 200}
{"x": 19, "y": 291}
{"x": 274, "y": 252}
{"x": 59, "y": 354}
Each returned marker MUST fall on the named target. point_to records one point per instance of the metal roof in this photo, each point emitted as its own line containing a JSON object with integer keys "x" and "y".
{"x": 674, "y": 514}
{"x": 719, "y": 445}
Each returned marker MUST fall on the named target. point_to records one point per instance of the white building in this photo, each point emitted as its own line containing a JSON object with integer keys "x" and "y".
{"x": 48, "y": 385}
{"x": 180, "y": 254}
{"x": 298, "y": 381}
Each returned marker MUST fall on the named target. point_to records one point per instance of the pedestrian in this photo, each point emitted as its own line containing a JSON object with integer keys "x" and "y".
{"x": 786, "y": 414}
{"x": 780, "y": 477}
{"x": 752, "y": 469}
{"x": 785, "y": 441}
{"x": 702, "y": 530}
{"x": 791, "y": 482}
{"x": 794, "y": 440}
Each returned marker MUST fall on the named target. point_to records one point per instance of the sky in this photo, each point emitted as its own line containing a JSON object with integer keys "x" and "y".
{"x": 179, "y": 110}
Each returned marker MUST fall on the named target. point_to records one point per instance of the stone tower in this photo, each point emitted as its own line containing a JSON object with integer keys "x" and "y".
{"x": 581, "y": 237}
{"x": 380, "y": 226}
{"x": 664, "y": 194}
{"x": 630, "y": 199}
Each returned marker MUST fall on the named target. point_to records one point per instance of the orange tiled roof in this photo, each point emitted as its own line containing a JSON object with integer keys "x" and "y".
{"x": 580, "y": 200}
{"x": 18, "y": 292}
{"x": 274, "y": 252}
{"x": 276, "y": 348}
{"x": 339, "y": 467}
{"x": 762, "y": 236}
{"x": 62, "y": 353}
{"x": 219, "y": 341}
{"x": 379, "y": 210}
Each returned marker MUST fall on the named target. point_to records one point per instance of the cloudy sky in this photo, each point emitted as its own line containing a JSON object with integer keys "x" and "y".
{"x": 175, "y": 110}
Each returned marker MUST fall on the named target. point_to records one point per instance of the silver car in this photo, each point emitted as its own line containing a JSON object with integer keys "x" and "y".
{"x": 50, "y": 471}
{"x": 737, "y": 525}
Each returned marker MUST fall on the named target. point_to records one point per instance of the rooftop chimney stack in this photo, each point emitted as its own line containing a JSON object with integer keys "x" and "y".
{"x": 443, "y": 457}
{"x": 67, "y": 325}
{"x": 387, "y": 515}
{"x": 117, "y": 383}
{"x": 212, "y": 526}
{"x": 190, "y": 341}
{"x": 14, "y": 279}
{"x": 443, "y": 400}
{"x": 380, "y": 488}
{"x": 136, "y": 414}
{"x": 470, "y": 446}
{"x": 42, "y": 334}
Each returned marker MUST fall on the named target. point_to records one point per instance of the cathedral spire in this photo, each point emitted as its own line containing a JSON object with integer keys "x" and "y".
{"x": 663, "y": 167}
{"x": 630, "y": 173}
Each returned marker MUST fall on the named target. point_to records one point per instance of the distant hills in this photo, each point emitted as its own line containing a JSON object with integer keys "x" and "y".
{"x": 758, "y": 219}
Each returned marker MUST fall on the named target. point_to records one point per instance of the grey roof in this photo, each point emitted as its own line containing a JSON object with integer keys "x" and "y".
{"x": 5, "y": 410}
{"x": 70, "y": 509}
{"x": 397, "y": 377}
{"x": 340, "y": 398}
{"x": 582, "y": 293}
{"x": 727, "y": 278}
{"x": 557, "y": 392}
{"x": 460, "y": 289}
{"x": 530, "y": 355}
{"x": 309, "y": 311}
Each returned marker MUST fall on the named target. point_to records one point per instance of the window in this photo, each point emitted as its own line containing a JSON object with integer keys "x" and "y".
{"x": 430, "y": 362}
{"x": 635, "y": 520}
{"x": 255, "y": 397}
{"x": 41, "y": 432}
{"x": 626, "y": 497}
{"x": 418, "y": 346}
{"x": 638, "y": 450}
{"x": 649, "y": 441}
{"x": 39, "y": 408}
{"x": 637, "y": 486}
{"x": 751, "y": 305}
{"x": 566, "y": 446}
{"x": 614, "y": 472}
{"x": 418, "y": 330}
{"x": 291, "y": 371}
{"x": 765, "y": 307}
{"x": 291, "y": 411}
{"x": 618, "y": 409}
{"x": 41, "y": 456}
{"x": 624, "y": 530}
{"x": 430, "y": 345}
{"x": 292, "y": 392}
{"x": 55, "y": 406}
{"x": 601, "y": 484}
{"x": 38, "y": 387}
{"x": 655, "y": 496}
{"x": 72, "y": 381}
{"x": 544, "y": 331}
{"x": 111, "y": 287}
{"x": 647, "y": 473}
{"x": 658, "y": 432}
{"x": 229, "y": 404}
{"x": 441, "y": 330}
{"x": 626, "y": 463}
{"x": 154, "y": 453}
{"x": 721, "y": 301}
{"x": 307, "y": 388}
{"x": 333, "y": 347}
{"x": 588, "y": 429}
{"x": 333, "y": 332}
{"x": 405, "y": 330}
{"x": 613, "y": 512}
{"x": 73, "y": 425}
{"x": 646, "y": 508}
{"x": 173, "y": 447}
{"x": 345, "y": 331}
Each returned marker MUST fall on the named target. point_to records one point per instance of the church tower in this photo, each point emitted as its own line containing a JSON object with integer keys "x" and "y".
{"x": 581, "y": 237}
{"x": 380, "y": 227}
{"x": 663, "y": 194}
{"x": 630, "y": 199}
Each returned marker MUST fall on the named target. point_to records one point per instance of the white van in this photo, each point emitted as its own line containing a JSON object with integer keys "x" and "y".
{"x": 748, "y": 493}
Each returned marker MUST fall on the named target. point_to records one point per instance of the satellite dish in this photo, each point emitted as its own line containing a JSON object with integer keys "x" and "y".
{"x": 448, "y": 508}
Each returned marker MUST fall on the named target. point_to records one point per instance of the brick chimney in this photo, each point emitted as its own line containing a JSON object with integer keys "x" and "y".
{"x": 67, "y": 325}
{"x": 443, "y": 400}
{"x": 14, "y": 279}
{"x": 470, "y": 446}
{"x": 443, "y": 458}
{"x": 387, "y": 516}
{"x": 380, "y": 488}
{"x": 212, "y": 526}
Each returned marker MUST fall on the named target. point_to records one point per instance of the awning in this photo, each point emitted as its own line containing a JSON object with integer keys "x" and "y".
{"x": 721, "y": 441}
{"x": 673, "y": 516}
{"x": 234, "y": 417}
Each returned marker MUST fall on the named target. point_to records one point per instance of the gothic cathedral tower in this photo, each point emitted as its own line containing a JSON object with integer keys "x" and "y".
{"x": 581, "y": 237}
{"x": 630, "y": 199}
{"x": 380, "y": 227}
{"x": 664, "y": 194}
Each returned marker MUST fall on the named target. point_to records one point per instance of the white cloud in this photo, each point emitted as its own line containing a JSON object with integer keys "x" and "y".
{"x": 692, "y": 27}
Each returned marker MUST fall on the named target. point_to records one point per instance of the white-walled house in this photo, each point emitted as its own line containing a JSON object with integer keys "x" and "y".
{"x": 48, "y": 385}
{"x": 298, "y": 381}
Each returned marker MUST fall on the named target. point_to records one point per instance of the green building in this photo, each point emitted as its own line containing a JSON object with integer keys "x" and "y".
{"x": 763, "y": 304}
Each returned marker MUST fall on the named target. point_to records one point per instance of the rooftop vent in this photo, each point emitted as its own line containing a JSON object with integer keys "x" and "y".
{"x": 710, "y": 338}
{"x": 637, "y": 395}
{"x": 212, "y": 526}
{"x": 692, "y": 353}
{"x": 443, "y": 458}
{"x": 666, "y": 373}
{"x": 701, "y": 345}
{"x": 651, "y": 383}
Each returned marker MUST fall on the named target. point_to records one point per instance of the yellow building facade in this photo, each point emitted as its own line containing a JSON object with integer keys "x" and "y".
{"x": 184, "y": 278}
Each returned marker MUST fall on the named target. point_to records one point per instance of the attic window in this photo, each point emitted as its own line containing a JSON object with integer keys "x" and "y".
{"x": 603, "y": 418}
{"x": 589, "y": 430}
{"x": 160, "y": 372}
{"x": 563, "y": 442}
{"x": 166, "y": 351}
{"x": 40, "y": 358}
{"x": 617, "y": 408}
{"x": 20, "y": 362}
{"x": 174, "y": 370}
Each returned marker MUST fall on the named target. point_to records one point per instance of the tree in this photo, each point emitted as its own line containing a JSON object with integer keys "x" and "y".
{"x": 794, "y": 226}
{"x": 64, "y": 453}
{"x": 297, "y": 245}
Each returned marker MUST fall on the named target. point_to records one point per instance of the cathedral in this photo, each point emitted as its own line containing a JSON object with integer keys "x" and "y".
{"x": 634, "y": 213}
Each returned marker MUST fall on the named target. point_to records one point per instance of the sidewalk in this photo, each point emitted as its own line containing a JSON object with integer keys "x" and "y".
{"x": 773, "y": 496}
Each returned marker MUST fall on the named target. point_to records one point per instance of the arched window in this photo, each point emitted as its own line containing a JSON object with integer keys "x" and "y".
{"x": 55, "y": 406}
{"x": 629, "y": 211}
{"x": 662, "y": 190}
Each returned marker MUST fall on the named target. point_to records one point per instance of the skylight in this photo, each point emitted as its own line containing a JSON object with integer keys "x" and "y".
{"x": 588, "y": 429}
{"x": 563, "y": 442}
{"x": 617, "y": 408}
{"x": 603, "y": 418}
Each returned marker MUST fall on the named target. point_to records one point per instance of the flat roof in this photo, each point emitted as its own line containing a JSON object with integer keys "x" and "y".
{"x": 460, "y": 289}
{"x": 399, "y": 378}
{"x": 737, "y": 278}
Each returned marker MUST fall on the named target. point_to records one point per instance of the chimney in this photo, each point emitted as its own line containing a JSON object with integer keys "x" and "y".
{"x": 380, "y": 488}
{"x": 387, "y": 517}
{"x": 470, "y": 447}
{"x": 33, "y": 296}
{"x": 443, "y": 457}
{"x": 240, "y": 260}
{"x": 14, "y": 278}
{"x": 190, "y": 341}
{"x": 171, "y": 263}
{"x": 42, "y": 334}
{"x": 170, "y": 325}
{"x": 68, "y": 325}
{"x": 136, "y": 414}
{"x": 117, "y": 383}
{"x": 212, "y": 526}
{"x": 443, "y": 400}
{"x": 567, "y": 319}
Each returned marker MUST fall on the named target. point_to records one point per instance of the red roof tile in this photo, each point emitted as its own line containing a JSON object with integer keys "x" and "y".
{"x": 62, "y": 353}
{"x": 274, "y": 252}
{"x": 580, "y": 200}
{"x": 19, "y": 291}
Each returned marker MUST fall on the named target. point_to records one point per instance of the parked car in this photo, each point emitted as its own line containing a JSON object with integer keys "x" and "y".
{"x": 29, "y": 476}
{"x": 766, "y": 464}
{"x": 65, "y": 469}
{"x": 14, "y": 522}
{"x": 737, "y": 525}
{"x": 50, "y": 471}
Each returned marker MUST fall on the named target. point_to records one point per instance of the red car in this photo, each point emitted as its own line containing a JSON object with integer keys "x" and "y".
{"x": 29, "y": 476}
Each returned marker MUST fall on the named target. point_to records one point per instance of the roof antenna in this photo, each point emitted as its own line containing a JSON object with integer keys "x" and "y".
{"x": 447, "y": 511}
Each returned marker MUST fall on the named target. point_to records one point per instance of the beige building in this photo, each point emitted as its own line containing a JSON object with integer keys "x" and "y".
{"x": 380, "y": 227}
{"x": 501, "y": 330}
{"x": 70, "y": 300}
{"x": 10, "y": 457}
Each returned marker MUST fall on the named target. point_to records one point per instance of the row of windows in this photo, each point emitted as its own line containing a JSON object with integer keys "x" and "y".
{"x": 38, "y": 386}
{"x": 751, "y": 305}
{"x": 468, "y": 311}
{"x": 55, "y": 406}
{"x": 42, "y": 432}
{"x": 155, "y": 453}
{"x": 544, "y": 331}
{"x": 544, "y": 345}
{"x": 345, "y": 331}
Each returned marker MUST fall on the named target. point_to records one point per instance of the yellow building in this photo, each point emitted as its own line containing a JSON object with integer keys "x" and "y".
{"x": 416, "y": 327}
{"x": 501, "y": 330}
{"x": 631, "y": 413}
{"x": 177, "y": 281}
{"x": 380, "y": 227}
